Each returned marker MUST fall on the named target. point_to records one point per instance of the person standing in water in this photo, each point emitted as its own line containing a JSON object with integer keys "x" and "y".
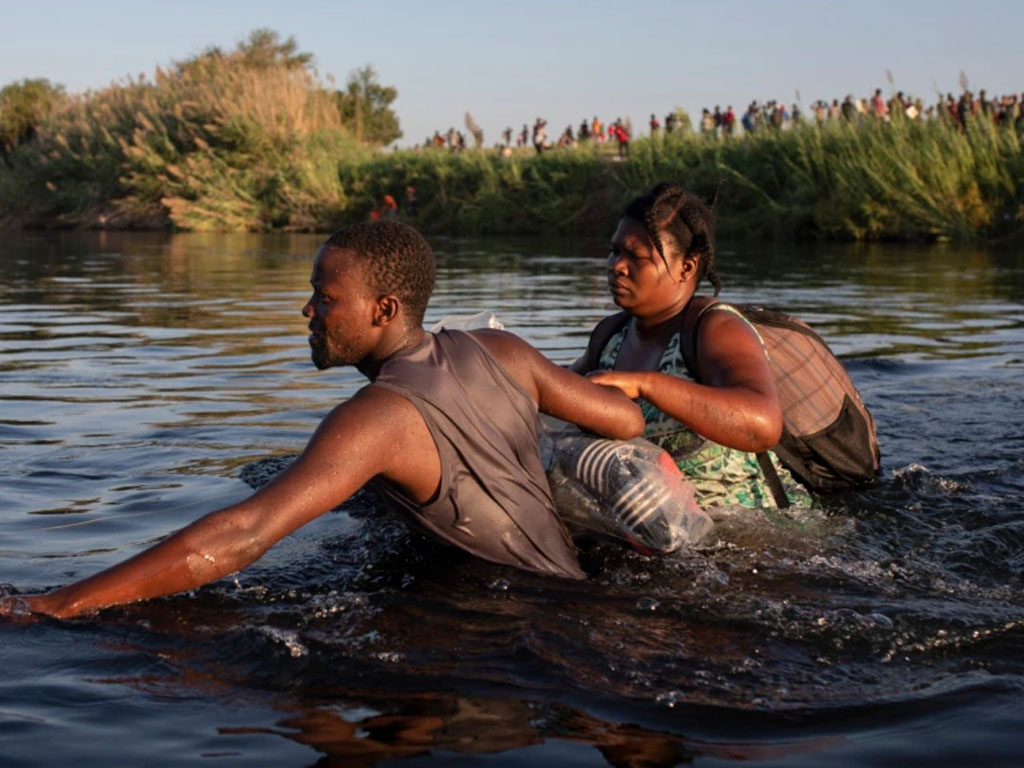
{"x": 662, "y": 249}
{"x": 447, "y": 426}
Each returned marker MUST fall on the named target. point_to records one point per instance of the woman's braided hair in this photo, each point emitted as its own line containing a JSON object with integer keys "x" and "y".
{"x": 667, "y": 207}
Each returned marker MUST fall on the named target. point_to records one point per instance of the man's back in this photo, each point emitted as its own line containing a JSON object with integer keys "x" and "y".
{"x": 492, "y": 497}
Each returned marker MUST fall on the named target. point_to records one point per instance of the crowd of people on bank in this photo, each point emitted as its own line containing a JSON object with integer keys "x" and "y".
{"x": 1004, "y": 110}
{"x": 537, "y": 136}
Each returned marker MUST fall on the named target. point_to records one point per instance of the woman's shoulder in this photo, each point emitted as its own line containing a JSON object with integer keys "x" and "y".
{"x": 698, "y": 307}
{"x": 704, "y": 308}
{"x": 720, "y": 328}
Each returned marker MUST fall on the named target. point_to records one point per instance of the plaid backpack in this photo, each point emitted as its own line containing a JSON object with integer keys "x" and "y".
{"x": 828, "y": 437}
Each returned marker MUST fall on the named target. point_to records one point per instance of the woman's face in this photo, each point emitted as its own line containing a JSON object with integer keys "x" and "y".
{"x": 640, "y": 281}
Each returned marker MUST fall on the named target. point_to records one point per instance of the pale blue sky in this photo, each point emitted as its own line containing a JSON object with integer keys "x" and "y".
{"x": 507, "y": 62}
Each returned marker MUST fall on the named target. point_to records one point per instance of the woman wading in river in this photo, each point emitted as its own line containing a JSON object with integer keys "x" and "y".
{"x": 662, "y": 249}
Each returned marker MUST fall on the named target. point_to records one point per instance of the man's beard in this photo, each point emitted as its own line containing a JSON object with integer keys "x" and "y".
{"x": 319, "y": 355}
{"x": 330, "y": 352}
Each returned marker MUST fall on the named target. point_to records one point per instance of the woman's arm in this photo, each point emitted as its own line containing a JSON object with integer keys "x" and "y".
{"x": 736, "y": 405}
{"x": 562, "y": 393}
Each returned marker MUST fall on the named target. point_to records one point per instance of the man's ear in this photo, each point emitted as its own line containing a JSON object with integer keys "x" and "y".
{"x": 387, "y": 309}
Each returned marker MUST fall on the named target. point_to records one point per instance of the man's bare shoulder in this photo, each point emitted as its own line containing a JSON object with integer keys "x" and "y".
{"x": 374, "y": 418}
{"x": 375, "y": 432}
{"x": 507, "y": 347}
{"x": 375, "y": 405}
{"x": 492, "y": 337}
{"x": 516, "y": 356}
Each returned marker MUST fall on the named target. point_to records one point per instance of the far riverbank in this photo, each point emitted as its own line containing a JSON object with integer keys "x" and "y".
{"x": 868, "y": 180}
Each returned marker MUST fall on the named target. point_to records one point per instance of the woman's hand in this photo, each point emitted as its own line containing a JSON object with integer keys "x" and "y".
{"x": 630, "y": 382}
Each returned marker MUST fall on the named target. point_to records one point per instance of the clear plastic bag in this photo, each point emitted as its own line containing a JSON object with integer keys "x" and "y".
{"x": 484, "y": 319}
{"x": 627, "y": 489}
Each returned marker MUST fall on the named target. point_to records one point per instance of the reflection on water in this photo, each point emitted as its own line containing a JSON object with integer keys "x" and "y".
{"x": 139, "y": 375}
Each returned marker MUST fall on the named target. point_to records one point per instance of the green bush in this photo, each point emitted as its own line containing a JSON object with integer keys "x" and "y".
{"x": 238, "y": 141}
{"x": 24, "y": 105}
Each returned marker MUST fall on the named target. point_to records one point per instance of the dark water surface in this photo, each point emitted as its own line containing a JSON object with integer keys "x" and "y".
{"x": 140, "y": 373}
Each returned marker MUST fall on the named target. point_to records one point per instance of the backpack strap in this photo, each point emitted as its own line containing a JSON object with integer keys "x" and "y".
{"x": 688, "y": 346}
{"x": 600, "y": 336}
{"x": 764, "y": 461}
{"x": 691, "y": 317}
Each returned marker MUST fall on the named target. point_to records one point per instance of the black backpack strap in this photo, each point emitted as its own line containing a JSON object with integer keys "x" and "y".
{"x": 771, "y": 477}
{"x": 600, "y": 336}
{"x": 691, "y": 317}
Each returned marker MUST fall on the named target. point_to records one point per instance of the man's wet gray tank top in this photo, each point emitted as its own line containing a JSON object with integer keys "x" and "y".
{"x": 493, "y": 500}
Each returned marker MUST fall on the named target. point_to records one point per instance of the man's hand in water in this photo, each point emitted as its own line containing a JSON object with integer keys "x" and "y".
{"x": 14, "y": 606}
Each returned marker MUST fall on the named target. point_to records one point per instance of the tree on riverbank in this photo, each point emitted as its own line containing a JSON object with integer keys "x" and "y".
{"x": 365, "y": 107}
{"x": 243, "y": 140}
{"x": 24, "y": 106}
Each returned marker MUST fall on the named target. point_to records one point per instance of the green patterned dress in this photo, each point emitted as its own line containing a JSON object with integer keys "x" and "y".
{"x": 720, "y": 475}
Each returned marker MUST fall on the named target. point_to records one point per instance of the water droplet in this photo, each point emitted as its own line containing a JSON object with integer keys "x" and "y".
{"x": 670, "y": 698}
{"x": 499, "y": 585}
{"x": 647, "y": 604}
{"x": 713, "y": 577}
{"x": 880, "y": 620}
{"x": 288, "y": 639}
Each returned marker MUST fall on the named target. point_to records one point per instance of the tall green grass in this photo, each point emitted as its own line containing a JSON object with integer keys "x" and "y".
{"x": 867, "y": 180}
{"x": 481, "y": 191}
{"x": 855, "y": 181}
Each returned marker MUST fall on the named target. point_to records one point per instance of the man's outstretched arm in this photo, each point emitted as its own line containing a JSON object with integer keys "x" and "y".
{"x": 356, "y": 441}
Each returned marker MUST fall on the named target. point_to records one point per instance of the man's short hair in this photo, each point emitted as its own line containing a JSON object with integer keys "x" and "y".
{"x": 396, "y": 259}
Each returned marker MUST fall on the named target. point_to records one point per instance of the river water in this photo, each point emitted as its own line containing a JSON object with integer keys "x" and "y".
{"x": 140, "y": 373}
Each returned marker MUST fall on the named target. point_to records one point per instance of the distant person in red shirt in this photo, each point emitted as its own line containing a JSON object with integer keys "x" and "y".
{"x": 729, "y": 121}
{"x": 878, "y": 105}
{"x": 618, "y": 131}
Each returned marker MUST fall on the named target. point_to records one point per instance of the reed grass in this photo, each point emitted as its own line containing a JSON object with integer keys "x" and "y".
{"x": 850, "y": 181}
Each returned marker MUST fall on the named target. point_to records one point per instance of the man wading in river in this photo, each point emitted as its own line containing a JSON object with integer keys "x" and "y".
{"x": 446, "y": 425}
